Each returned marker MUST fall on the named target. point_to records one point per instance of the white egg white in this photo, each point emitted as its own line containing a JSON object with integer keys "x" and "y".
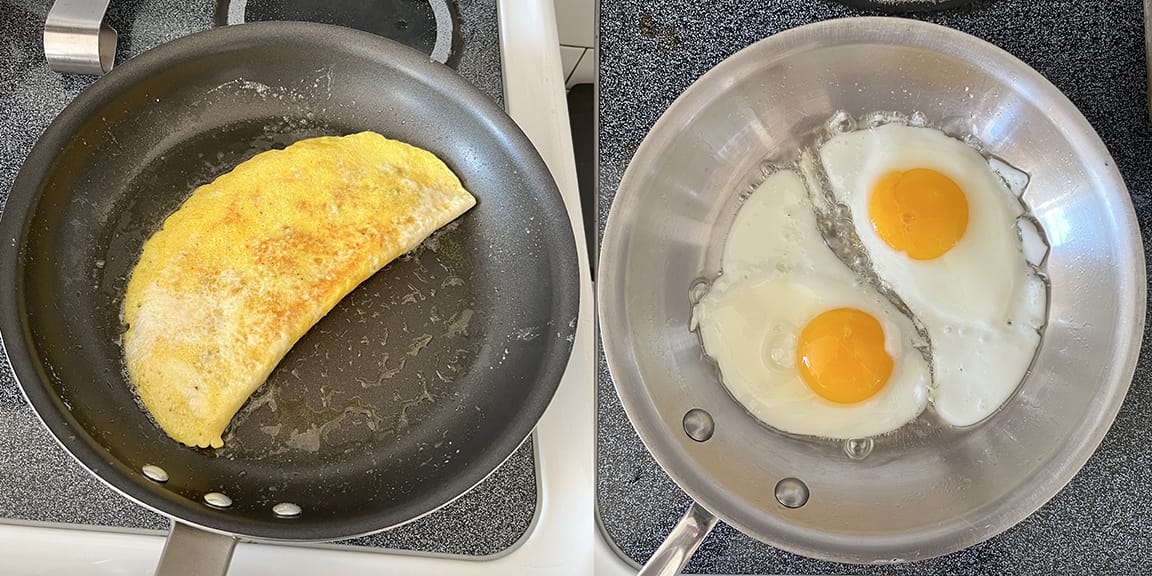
{"x": 777, "y": 276}
{"x": 981, "y": 303}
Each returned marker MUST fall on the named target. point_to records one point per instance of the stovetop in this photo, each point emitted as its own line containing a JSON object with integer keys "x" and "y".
{"x": 652, "y": 50}
{"x": 39, "y": 483}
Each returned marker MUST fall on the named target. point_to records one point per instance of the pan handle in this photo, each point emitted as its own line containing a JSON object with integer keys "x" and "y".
{"x": 194, "y": 552}
{"x": 681, "y": 543}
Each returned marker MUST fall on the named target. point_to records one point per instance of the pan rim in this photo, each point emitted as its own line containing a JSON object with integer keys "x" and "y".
{"x": 618, "y": 349}
{"x": 24, "y": 196}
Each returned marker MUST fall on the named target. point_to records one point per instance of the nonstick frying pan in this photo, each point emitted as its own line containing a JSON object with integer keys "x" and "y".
{"x": 418, "y": 385}
{"x": 926, "y": 489}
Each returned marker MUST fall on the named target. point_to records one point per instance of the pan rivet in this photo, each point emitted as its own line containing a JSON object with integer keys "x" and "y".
{"x": 286, "y": 510}
{"x": 698, "y": 425}
{"x": 217, "y": 500}
{"x": 154, "y": 473}
{"x": 792, "y": 492}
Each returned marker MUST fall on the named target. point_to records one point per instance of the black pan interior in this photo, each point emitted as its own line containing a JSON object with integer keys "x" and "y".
{"x": 419, "y": 384}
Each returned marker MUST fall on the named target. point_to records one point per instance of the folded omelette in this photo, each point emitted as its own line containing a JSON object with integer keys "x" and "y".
{"x": 252, "y": 260}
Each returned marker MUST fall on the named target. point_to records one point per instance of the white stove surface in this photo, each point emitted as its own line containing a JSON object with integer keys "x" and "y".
{"x": 562, "y": 536}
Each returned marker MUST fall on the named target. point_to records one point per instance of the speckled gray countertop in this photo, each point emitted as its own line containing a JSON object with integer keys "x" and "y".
{"x": 38, "y": 481}
{"x": 652, "y": 50}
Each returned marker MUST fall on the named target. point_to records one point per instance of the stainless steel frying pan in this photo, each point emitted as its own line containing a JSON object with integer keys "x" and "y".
{"x": 920, "y": 493}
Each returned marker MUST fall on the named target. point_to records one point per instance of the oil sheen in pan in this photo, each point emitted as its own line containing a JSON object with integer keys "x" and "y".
{"x": 353, "y": 379}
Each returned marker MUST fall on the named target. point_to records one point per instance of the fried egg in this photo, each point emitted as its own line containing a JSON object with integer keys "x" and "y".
{"x": 940, "y": 228}
{"x": 800, "y": 342}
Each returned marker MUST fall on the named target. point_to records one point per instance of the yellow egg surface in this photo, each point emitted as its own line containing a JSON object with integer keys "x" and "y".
{"x": 253, "y": 259}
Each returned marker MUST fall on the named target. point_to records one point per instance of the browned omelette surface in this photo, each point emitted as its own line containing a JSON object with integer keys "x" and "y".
{"x": 252, "y": 260}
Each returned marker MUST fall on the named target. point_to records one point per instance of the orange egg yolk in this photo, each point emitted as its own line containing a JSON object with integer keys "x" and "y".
{"x": 919, "y": 212}
{"x": 841, "y": 355}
